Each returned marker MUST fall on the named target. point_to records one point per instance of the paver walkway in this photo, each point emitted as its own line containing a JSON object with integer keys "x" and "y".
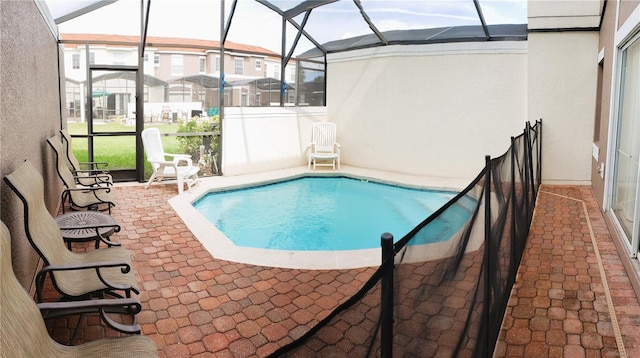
{"x": 198, "y": 306}
{"x": 560, "y": 305}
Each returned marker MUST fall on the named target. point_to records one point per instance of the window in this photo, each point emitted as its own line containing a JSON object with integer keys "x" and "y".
{"x": 156, "y": 59}
{"x": 75, "y": 59}
{"x": 146, "y": 57}
{"x": 293, "y": 74}
{"x": 238, "y": 66}
{"x": 92, "y": 58}
{"x": 626, "y": 146}
{"x": 203, "y": 64}
{"x": 598, "y": 122}
{"x": 118, "y": 58}
{"x": 258, "y": 65}
{"x": 217, "y": 63}
{"x": 176, "y": 65}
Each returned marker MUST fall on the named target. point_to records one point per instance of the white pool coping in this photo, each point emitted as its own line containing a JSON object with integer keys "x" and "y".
{"x": 222, "y": 248}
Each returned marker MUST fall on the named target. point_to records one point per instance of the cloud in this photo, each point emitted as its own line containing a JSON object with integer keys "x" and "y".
{"x": 504, "y": 11}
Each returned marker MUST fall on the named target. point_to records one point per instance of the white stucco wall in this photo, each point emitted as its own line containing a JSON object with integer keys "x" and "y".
{"x": 562, "y": 91}
{"x": 258, "y": 139}
{"x": 432, "y": 110}
{"x": 437, "y": 110}
{"x": 563, "y": 14}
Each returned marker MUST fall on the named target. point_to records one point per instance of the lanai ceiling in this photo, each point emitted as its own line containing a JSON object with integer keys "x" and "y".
{"x": 314, "y": 26}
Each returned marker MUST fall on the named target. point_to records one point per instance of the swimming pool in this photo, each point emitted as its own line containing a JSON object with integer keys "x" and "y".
{"x": 323, "y": 213}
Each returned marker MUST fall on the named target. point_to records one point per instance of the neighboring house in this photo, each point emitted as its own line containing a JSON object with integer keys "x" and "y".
{"x": 177, "y": 70}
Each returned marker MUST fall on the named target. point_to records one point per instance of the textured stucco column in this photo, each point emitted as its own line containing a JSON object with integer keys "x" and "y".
{"x": 29, "y": 114}
{"x": 562, "y": 79}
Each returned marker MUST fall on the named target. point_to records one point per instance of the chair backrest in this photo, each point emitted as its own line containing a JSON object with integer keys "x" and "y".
{"x": 41, "y": 228}
{"x": 70, "y": 158}
{"x": 61, "y": 164}
{"x": 152, "y": 144}
{"x": 324, "y": 136}
{"x": 22, "y": 332}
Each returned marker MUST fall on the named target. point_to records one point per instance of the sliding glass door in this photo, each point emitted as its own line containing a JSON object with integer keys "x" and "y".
{"x": 625, "y": 193}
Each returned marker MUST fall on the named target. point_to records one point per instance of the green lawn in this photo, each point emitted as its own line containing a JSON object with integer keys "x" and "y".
{"x": 119, "y": 152}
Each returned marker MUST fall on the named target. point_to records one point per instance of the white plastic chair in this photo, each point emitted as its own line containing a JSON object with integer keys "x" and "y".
{"x": 163, "y": 168}
{"x": 323, "y": 146}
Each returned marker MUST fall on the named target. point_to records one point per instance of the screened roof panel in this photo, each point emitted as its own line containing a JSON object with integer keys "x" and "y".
{"x": 332, "y": 24}
{"x": 334, "y": 21}
{"x": 407, "y": 15}
{"x": 424, "y": 36}
{"x": 64, "y": 10}
{"x": 504, "y": 11}
{"x": 203, "y": 80}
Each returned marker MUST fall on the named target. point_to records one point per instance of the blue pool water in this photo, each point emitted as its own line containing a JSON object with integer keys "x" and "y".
{"x": 315, "y": 213}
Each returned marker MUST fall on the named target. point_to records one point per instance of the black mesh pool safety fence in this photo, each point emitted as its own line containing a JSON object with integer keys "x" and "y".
{"x": 447, "y": 298}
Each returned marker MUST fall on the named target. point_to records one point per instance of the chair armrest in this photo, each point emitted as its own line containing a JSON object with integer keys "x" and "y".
{"x": 94, "y": 164}
{"x": 180, "y": 157}
{"x": 163, "y": 162}
{"x": 90, "y": 171}
{"x": 125, "y": 266}
{"x": 129, "y": 306}
{"x": 89, "y": 188}
{"x": 108, "y": 242}
{"x": 63, "y": 308}
{"x": 98, "y": 178}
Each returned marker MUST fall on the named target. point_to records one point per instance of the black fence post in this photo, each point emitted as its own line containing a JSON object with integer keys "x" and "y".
{"x": 487, "y": 259}
{"x": 515, "y": 247}
{"x": 539, "y": 125}
{"x": 386, "y": 306}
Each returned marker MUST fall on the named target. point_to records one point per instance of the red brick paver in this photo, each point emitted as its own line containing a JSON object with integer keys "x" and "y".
{"x": 558, "y": 305}
{"x": 198, "y": 306}
{"x": 195, "y": 305}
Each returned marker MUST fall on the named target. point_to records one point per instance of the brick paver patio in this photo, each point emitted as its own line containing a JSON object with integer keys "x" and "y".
{"x": 198, "y": 306}
{"x": 559, "y": 305}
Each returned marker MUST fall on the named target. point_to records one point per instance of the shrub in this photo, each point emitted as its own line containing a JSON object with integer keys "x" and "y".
{"x": 191, "y": 144}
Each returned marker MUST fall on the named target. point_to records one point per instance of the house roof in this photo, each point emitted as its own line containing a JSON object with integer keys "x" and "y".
{"x": 163, "y": 43}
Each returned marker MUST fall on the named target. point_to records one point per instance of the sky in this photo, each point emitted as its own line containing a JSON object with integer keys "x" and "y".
{"x": 254, "y": 24}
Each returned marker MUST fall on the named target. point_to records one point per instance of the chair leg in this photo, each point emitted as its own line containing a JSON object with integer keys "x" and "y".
{"x": 338, "y": 163}
{"x": 191, "y": 181}
{"x": 180, "y": 184}
{"x": 153, "y": 177}
{"x": 215, "y": 163}
{"x": 75, "y": 331}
